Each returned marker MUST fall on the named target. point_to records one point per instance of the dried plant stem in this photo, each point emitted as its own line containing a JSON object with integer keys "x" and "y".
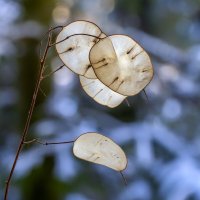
{"x": 47, "y": 143}
{"x": 52, "y": 143}
{"x": 30, "y": 112}
{"x": 51, "y": 73}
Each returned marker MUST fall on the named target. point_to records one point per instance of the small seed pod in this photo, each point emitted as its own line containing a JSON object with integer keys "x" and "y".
{"x": 121, "y": 64}
{"x": 101, "y": 93}
{"x": 96, "y": 148}
{"x": 73, "y": 45}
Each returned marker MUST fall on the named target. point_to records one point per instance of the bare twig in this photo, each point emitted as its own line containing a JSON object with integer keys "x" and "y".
{"x": 53, "y": 71}
{"x": 47, "y": 143}
{"x": 30, "y": 112}
{"x": 30, "y": 141}
{"x": 51, "y": 143}
{"x": 46, "y": 34}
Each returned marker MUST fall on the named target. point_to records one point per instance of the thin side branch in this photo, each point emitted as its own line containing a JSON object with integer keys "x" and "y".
{"x": 30, "y": 141}
{"x": 47, "y": 143}
{"x": 45, "y": 35}
{"x": 53, "y": 71}
{"x": 52, "y": 143}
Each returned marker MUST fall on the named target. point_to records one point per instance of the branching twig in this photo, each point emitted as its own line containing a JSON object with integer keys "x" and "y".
{"x": 41, "y": 76}
{"x": 30, "y": 112}
{"x": 46, "y": 34}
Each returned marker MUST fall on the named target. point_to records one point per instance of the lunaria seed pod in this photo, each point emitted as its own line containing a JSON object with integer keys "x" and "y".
{"x": 96, "y": 148}
{"x": 121, "y": 64}
{"x": 101, "y": 93}
{"x": 73, "y": 45}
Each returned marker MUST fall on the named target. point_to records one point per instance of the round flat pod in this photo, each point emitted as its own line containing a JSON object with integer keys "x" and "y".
{"x": 96, "y": 148}
{"x": 121, "y": 64}
{"x": 73, "y": 45}
{"x": 101, "y": 93}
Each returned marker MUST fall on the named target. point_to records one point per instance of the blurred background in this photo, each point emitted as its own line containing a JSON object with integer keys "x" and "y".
{"x": 161, "y": 137}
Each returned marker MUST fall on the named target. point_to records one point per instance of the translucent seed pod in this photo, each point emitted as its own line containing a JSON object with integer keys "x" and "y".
{"x": 96, "y": 148}
{"x": 73, "y": 45}
{"x": 101, "y": 93}
{"x": 121, "y": 64}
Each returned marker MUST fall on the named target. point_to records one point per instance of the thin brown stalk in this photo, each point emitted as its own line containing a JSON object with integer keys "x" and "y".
{"x": 52, "y": 143}
{"x": 30, "y": 113}
{"x": 51, "y": 73}
{"x": 32, "y": 106}
{"x": 46, "y": 34}
{"x": 48, "y": 143}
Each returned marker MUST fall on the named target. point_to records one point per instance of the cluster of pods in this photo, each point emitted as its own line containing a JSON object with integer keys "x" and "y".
{"x": 110, "y": 69}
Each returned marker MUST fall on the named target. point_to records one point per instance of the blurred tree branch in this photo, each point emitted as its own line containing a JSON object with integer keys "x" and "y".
{"x": 159, "y": 48}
